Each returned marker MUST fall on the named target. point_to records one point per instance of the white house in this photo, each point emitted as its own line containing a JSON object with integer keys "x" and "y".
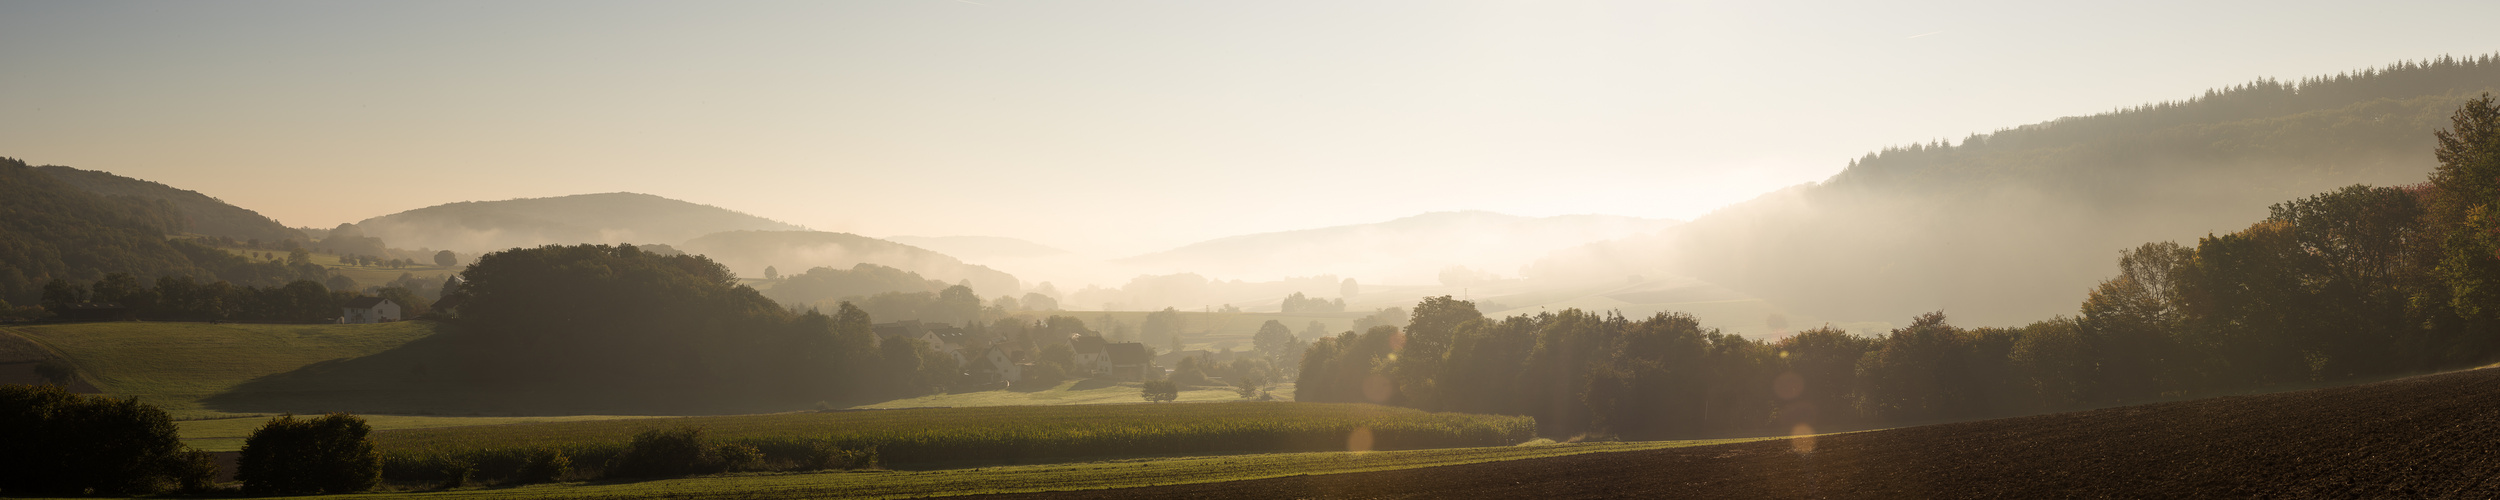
{"x": 1091, "y": 354}
{"x": 1002, "y": 364}
{"x": 369, "y": 310}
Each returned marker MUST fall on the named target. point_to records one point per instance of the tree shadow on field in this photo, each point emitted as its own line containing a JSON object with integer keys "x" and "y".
{"x": 456, "y": 374}
{"x": 1091, "y": 384}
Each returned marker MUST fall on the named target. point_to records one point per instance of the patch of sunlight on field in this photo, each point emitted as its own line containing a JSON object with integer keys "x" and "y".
{"x": 226, "y": 434}
{"x": 1052, "y": 477}
{"x": 1080, "y": 392}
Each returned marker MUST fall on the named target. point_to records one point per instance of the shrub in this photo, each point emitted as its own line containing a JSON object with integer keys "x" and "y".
{"x": 55, "y": 443}
{"x": 675, "y": 451}
{"x": 546, "y": 465}
{"x": 329, "y": 454}
{"x": 738, "y": 457}
{"x": 837, "y": 457}
{"x": 456, "y": 473}
{"x": 1161, "y": 390}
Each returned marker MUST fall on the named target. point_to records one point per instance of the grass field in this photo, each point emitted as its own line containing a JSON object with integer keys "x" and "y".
{"x": 1027, "y": 478}
{"x": 178, "y": 365}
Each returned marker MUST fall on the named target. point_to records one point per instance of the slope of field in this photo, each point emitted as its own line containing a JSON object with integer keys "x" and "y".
{"x": 2429, "y": 436}
{"x": 178, "y": 365}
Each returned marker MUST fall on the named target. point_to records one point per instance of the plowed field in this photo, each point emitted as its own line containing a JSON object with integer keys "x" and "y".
{"x": 2429, "y": 436}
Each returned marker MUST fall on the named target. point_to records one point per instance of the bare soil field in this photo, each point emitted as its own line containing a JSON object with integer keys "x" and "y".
{"x": 2428, "y": 436}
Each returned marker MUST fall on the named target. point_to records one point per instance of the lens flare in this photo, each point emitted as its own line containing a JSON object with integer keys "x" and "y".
{"x": 1801, "y": 438}
{"x": 1359, "y": 440}
{"x": 1789, "y": 385}
{"x": 1377, "y": 388}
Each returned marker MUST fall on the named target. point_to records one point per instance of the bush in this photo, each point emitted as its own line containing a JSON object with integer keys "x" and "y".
{"x": 545, "y": 465}
{"x": 456, "y": 473}
{"x": 1161, "y": 390}
{"x": 675, "y": 451}
{"x": 738, "y": 457}
{"x": 54, "y": 443}
{"x": 329, "y": 454}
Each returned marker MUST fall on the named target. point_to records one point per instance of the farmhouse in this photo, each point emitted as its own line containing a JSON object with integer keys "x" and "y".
{"x": 369, "y": 310}
{"x": 996, "y": 361}
{"x": 1128, "y": 360}
{"x": 1090, "y": 355}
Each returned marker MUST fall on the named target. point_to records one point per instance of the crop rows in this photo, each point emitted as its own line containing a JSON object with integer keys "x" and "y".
{"x": 943, "y": 437}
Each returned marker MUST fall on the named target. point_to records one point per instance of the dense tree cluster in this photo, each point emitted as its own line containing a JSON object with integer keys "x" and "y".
{"x": 180, "y": 298}
{"x": 679, "y": 326}
{"x": 54, "y": 443}
{"x": 1297, "y": 303}
{"x": 328, "y": 454}
{"x": 2352, "y": 284}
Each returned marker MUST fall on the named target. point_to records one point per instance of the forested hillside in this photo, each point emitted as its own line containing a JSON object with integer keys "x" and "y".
{"x": 2347, "y": 285}
{"x": 486, "y": 226}
{"x": 201, "y": 213}
{"x": 2013, "y": 226}
{"x": 52, "y": 230}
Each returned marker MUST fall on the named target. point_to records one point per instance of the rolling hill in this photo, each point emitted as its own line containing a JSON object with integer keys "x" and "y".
{"x": 1407, "y": 250}
{"x": 2014, "y": 226}
{"x": 201, "y": 213}
{"x": 486, "y": 226}
{"x": 792, "y": 252}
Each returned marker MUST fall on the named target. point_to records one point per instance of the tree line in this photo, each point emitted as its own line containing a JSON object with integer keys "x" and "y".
{"x": 2353, "y": 284}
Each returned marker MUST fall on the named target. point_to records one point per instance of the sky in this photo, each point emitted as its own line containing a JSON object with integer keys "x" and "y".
{"x": 1107, "y": 127}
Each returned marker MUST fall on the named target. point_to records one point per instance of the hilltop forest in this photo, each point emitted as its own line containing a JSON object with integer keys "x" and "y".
{"x": 2352, "y": 284}
{"x": 51, "y": 230}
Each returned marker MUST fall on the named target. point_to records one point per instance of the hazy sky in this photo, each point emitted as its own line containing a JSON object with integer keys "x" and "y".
{"x": 1111, "y": 127}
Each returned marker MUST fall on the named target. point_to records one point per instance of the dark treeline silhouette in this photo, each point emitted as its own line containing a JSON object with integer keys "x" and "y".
{"x": 180, "y": 298}
{"x": 674, "y": 328}
{"x": 2358, "y": 283}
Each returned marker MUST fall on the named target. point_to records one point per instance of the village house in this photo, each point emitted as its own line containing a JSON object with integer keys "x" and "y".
{"x": 369, "y": 310}
{"x": 1128, "y": 360}
{"x": 1091, "y": 357}
{"x": 997, "y": 362}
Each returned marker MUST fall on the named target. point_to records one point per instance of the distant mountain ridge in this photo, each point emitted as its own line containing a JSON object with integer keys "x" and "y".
{"x": 201, "y": 213}
{"x": 2014, "y": 226}
{"x": 486, "y": 226}
{"x": 1410, "y": 249}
